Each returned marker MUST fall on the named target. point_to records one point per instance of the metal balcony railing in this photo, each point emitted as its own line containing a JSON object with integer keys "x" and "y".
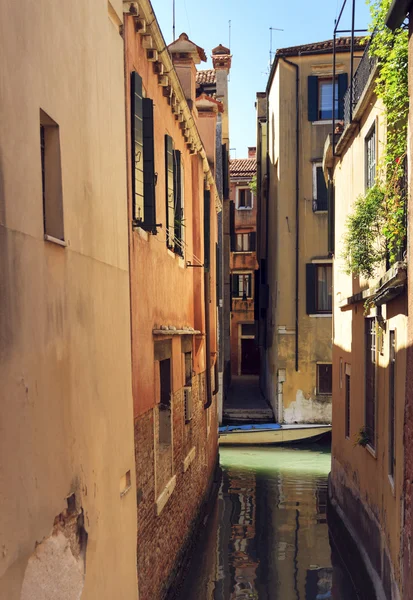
{"x": 360, "y": 79}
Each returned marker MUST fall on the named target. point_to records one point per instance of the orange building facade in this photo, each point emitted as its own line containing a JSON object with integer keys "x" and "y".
{"x": 173, "y": 213}
{"x": 243, "y": 265}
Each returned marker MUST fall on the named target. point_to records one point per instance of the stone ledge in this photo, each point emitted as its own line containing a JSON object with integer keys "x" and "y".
{"x": 189, "y": 459}
{"x": 165, "y": 495}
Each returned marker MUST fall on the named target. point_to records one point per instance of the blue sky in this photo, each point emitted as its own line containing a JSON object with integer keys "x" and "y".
{"x": 206, "y": 23}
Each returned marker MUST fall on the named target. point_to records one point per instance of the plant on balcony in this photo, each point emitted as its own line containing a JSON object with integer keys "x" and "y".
{"x": 253, "y": 184}
{"x": 377, "y": 226}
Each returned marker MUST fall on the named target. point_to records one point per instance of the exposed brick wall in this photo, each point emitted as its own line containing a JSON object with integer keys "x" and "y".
{"x": 162, "y": 538}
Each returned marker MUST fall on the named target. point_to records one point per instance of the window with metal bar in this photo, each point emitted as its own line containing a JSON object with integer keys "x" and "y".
{"x": 324, "y": 379}
{"x": 370, "y": 154}
{"x": 370, "y": 379}
{"x": 392, "y": 405}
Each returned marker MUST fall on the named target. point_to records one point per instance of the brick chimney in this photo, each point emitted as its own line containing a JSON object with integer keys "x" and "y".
{"x": 252, "y": 151}
{"x": 221, "y": 60}
{"x": 185, "y": 55}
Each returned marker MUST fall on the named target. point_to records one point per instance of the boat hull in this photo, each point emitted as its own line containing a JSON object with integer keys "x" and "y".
{"x": 284, "y": 435}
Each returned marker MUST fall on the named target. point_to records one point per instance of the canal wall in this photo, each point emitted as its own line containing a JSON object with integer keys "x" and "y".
{"x": 360, "y": 540}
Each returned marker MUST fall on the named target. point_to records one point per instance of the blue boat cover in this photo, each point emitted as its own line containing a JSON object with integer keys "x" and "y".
{"x": 249, "y": 427}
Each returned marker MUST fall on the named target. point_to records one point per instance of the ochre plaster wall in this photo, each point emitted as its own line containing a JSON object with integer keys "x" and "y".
{"x": 66, "y": 400}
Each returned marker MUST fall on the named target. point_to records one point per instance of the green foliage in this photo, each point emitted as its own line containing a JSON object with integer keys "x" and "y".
{"x": 253, "y": 184}
{"x": 362, "y": 438}
{"x": 364, "y": 245}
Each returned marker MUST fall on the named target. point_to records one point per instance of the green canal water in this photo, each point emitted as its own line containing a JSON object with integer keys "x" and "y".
{"x": 267, "y": 537}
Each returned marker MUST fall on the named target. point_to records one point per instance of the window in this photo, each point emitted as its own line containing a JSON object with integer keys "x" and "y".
{"x": 245, "y": 242}
{"x": 392, "y": 415}
{"x": 320, "y": 199}
{"x": 248, "y": 329}
{"x": 170, "y": 193}
{"x": 242, "y": 286}
{"x": 370, "y": 152}
{"x": 165, "y": 431}
{"x": 52, "y": 194}
{"x": 319, "y": 288}
{"x": 143, "y": 157}
{"x": 324, "y": 379}
{"x": 188, "y": 368}
{"x": 347, "y": 400}
{"x": 178, "y": 204}
{"x": 244, "y": 197}
{"x": 320, "y": 97}
{"x": 370, "y": 379}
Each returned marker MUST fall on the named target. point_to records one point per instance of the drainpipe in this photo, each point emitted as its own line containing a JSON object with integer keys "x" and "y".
{"x": 207, "y": 341}
{"x": 297, "y": 197}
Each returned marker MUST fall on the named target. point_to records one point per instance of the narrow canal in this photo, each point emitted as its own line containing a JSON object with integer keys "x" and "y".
{"x": 267, "y": 537}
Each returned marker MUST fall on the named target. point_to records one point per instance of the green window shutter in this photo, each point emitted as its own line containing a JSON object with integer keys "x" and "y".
{"x": 321, "y": 190}
{"x": 137, "y": 148}
{"x": 169, "y": 189}
{"x": 207, "y": 229}
{"x": 311, "y": 273}
{"x": 313, "y": 98}
{"x": 331, "y": 208}
{"x": 178, "y": 203}
{"x": 342, "y": 88}
{"x": 253, "y": 241}
{"x": 232, "y": 234}
{"x": 235, "y": 286}
{"x": 149, "y": 222}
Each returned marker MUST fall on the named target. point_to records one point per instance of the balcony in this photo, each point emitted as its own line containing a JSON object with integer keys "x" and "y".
{"x": 360, "y": 80}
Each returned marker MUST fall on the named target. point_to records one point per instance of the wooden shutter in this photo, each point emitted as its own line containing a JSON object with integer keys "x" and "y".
{"x": 232, "y": 234}
{"x": 249, "y": 295}
{"x": 207, "y": 229}
{"x": 313, "y": 98}
{"x": 137, "y": 148}
{"x": 178, "y": 203}
{"x": 342, "y": 88}
{"x": 235, "y": 286}
{"x": 331, "y": 208}
{"x": 253, "y": 241}
{"x": 321, "y": 189}
{"x": 169, "y": 187}
{"x": 311, "y": 273}
{"x": 149, "y": 222}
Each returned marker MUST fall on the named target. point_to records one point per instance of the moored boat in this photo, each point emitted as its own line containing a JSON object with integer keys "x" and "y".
{"x": 271, "y": 433}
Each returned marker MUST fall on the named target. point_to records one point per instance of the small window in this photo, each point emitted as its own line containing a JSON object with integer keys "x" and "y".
{"x": 325, "y": 98}
{"x": 319, "y": 288}
{"x": 165, "y": 424}
{"x": 242, "y": 286}
{"x": 245, "y": 242}
{"x": 51, "y": 171}
{"x": 188, "y": 368}
{"x": 244, "y": 198}
{"x": 370, "y": 152}
{"x": 320, "y": 198}
{"x": 324, "y": 379}
{"x": 248, "y": 329}
{"x": 370, "y": 380}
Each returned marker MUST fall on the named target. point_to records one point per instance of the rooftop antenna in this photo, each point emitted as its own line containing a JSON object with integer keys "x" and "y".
{"x": 229, "y": 43}
{"x": 233, "y": 150}
{"x": 271, "y": 52}
{"x": 173, "y": 20}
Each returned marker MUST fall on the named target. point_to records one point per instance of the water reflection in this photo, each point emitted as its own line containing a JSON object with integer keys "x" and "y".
{"x": 267, "y": 538}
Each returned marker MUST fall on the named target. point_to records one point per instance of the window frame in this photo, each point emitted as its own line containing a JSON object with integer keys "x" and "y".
{"x": 318, "y": 165}
{"x": 237, "y": 203}
{"x": 392, "y": 405}
{"x": 317, "y": 309}
{"x": 334, "y": 110}
{"x": 251, "y": 290}
{"x": 370, "y": 395}
{"x": 347, "y": 400}
{"x": 370, "y": 137}
{"x": 319, "y": 392}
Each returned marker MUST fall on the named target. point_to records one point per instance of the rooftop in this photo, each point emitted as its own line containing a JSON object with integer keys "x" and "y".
{"x": 242, "y": 167}
{"x": 206, "y": 76}
{"x": 343, "y": 44}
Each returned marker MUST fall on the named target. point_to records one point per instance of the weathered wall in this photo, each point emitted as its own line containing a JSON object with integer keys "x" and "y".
{"x": 65, "y": 370}
{"x": 360, "y": 477}
{"x": 166, "y": 292}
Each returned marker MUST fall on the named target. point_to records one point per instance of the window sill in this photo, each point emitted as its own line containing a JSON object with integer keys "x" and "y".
{"x": 320, "y": 212}
{"x": 189, "y": 459}
{"x": 323, "y": 122}
{"x": 242, "y": 251}
{"x": 53, "y": 240}
{"x": 391, "y": 481}
{"x": 371, "y": 451}
{"x": 165, "y": 495}
{"x": 244, "y": 207}
{"x": 321, "y": 316}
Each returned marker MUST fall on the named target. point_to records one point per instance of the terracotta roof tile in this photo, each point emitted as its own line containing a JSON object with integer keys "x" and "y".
{"x": 242, "y": 167}
{"x": 342, "y": 45}
{"x": 206, "y": 76}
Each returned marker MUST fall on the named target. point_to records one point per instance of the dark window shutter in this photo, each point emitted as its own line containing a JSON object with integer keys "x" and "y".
{"x": 207, "y": 229}
{"x": 137, "y": 148}
{"x": 169, "y": 178}
{"x": 225, "y": 173}
{"x": 313, "y": 98}
{"x": 331, "y": 225}
{"x": 342, "y": 88}
{"x": 149, "y": 222}
{"x": 218, "y": 272}
{"x": 178, "y": 203}
{"x": 249, "y": 286}
{"x": 232, "y": 234}
{"x": 321, "y": 190}
{"x": 235, "y": 286}
{"x": 256, "y": 296}
{"x": 311, "y": 272}
{"x": 253, "y": 241}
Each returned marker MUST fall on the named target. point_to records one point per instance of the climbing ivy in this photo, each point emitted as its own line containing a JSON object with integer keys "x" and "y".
{"x": 377, "y": 225}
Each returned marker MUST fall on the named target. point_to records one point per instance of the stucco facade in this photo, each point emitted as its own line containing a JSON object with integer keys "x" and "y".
{"x": 369, "y": 328}
{"x": 67, "y": 477}
{"x": 294, "y": 308}
{"x": 173, "y": 299}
